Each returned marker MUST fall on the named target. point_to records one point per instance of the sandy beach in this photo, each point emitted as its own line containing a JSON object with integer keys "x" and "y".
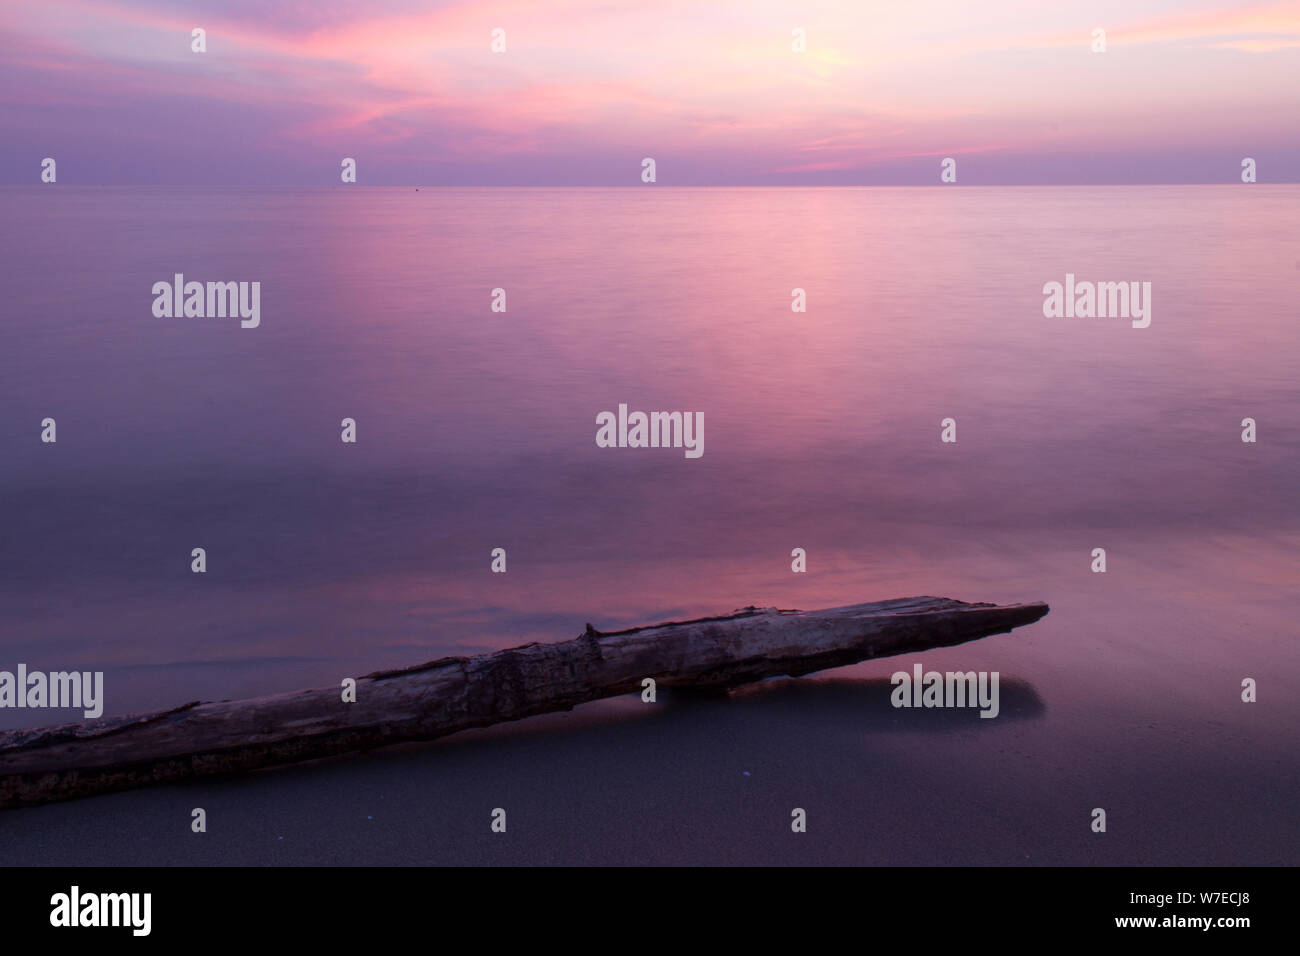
{"x": 1187, "y": 773}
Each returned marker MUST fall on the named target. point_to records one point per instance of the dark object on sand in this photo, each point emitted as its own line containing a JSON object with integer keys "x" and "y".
{"x": 458, "y": 693}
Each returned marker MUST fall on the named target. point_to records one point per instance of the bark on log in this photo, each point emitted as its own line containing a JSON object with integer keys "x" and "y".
{"x": 457, "y": 693}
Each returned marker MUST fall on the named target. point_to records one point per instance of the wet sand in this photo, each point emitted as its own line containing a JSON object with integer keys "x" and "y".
{"x": 1188, "y": 776}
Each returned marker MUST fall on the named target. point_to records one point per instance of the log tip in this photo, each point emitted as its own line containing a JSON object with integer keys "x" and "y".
{"x": 1029, "y": 612}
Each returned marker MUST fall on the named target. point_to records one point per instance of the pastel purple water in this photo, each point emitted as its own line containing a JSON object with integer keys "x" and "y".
{"x": 476, "y": 430}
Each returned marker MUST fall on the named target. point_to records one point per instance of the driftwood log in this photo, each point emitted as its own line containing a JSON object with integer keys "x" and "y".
{"x": 457, "y": 693}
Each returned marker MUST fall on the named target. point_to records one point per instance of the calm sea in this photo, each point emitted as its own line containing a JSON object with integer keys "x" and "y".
{"x": 476, "y": 430}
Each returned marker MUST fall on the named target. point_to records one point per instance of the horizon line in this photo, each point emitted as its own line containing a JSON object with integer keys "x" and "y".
{"x": 640, "y": 186}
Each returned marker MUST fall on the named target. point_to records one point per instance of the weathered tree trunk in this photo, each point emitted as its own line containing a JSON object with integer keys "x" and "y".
{"x": 457, "y": 693}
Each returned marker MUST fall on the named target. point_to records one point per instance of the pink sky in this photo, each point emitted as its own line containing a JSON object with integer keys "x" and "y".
{"x": 586, "y": 88}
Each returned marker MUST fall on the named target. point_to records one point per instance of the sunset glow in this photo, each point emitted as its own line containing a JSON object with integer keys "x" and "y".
{"x": 713, "y": 91}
